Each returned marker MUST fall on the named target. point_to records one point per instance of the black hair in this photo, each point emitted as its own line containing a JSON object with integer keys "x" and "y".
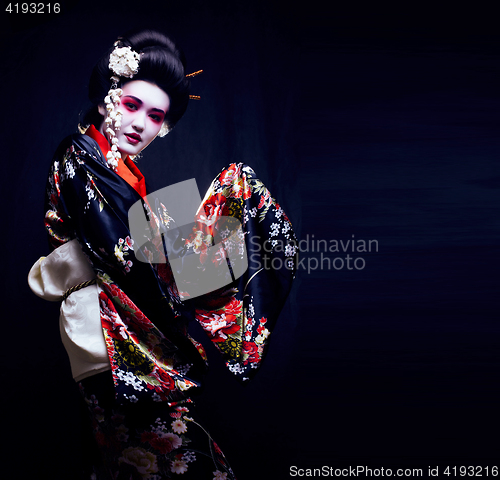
{"x": 161, "y": 63}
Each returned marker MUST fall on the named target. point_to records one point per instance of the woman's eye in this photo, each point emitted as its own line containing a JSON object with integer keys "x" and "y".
{"x": 155, "y": 118}
{"x": 131, "y": 106}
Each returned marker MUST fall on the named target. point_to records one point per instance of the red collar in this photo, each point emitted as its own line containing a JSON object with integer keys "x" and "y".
{"x": 126, "y": 169}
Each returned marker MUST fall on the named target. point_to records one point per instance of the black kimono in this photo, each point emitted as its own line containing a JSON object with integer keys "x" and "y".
{"x": 140, "y": 409}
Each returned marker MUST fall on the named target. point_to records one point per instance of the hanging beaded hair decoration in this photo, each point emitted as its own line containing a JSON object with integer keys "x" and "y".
{"x": 123, "y": 62}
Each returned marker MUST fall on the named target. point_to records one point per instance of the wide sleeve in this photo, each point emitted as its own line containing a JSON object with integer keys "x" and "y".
{"x": 83, "y": 202}
{"x": 57, "y": 221}
{"x": 241, "y": 327}
{"x": 88, "y": 201}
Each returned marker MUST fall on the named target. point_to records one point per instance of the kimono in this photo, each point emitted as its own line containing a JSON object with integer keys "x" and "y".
{"x": 141, "y": 409}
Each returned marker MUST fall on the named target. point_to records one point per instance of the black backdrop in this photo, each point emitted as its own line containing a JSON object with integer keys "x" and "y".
{"x": 366, "y": 124}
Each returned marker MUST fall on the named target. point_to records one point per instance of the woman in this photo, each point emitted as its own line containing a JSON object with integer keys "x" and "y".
{"x": 124, "y": 317}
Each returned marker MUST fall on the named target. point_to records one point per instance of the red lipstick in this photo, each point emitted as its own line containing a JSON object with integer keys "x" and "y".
{"x": 133, "y": 138}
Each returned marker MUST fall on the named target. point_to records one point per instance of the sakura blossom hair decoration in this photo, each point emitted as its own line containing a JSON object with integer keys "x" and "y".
{"x": 123, "y": 62}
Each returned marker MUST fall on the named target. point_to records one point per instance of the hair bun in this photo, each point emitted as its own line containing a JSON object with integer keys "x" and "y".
{"x": 144, "y": 39}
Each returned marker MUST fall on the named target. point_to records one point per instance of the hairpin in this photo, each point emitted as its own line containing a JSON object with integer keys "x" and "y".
{"x": 191, "y": 75}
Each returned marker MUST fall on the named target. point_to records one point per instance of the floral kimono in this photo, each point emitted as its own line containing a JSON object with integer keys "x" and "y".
{"x": 140, "y": 409}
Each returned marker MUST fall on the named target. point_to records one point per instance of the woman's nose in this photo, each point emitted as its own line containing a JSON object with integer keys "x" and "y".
{"x": 139, "y": 122}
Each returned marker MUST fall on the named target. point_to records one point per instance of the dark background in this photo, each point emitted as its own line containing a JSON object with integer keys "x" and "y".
{"x": 382, "y": 123}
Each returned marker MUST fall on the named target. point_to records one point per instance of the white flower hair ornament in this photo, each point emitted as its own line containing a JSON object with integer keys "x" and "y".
{"x": 123, "y": 62}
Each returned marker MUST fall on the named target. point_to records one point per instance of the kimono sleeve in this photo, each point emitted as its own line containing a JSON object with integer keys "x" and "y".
{"x": 83, "y": 202}
{"x": 242, "y": 326}
{"x": 58, "y": 223}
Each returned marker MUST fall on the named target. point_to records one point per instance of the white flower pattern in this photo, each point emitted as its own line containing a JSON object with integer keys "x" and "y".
{"x": 130, "y": 379}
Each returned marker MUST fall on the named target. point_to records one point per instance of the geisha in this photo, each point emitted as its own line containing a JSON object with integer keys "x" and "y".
{"x": 123, "y": 317}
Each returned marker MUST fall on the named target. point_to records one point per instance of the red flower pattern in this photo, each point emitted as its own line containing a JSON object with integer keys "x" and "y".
{"x": 221, "y": 323}
{"x": 229, "y": 175}
{"x": 163, "y": 445}
{"x": 214, "y": 206}
{"x": 252, "y": 351}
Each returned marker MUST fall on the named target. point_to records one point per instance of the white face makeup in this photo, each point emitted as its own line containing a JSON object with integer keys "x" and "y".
{"x": 143, "y": 106}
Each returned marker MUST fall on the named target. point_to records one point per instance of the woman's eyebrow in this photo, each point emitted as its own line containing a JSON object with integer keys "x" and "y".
{"x": 138, "y": 100}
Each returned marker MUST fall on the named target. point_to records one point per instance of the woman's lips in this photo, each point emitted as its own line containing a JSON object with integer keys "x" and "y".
{"x": 133, "y": 138}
